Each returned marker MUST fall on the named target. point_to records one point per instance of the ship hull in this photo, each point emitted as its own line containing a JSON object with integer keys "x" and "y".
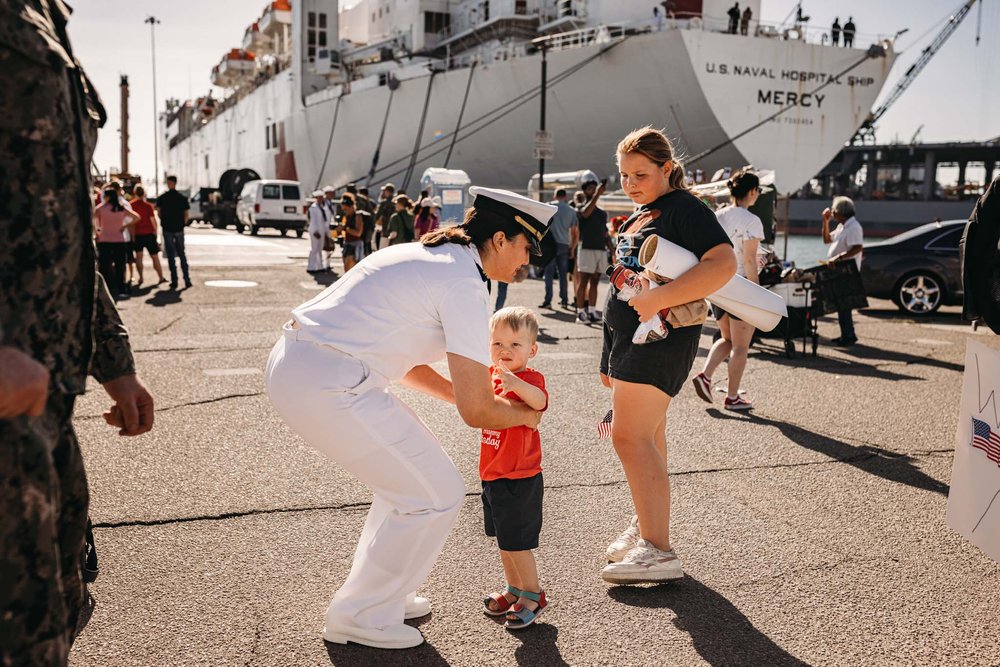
{"x": 703, "y": 88}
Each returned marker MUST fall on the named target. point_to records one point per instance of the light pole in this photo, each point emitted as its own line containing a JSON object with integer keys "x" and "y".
{"x": 152, "y": 21}
{"x": 541, "y": 156}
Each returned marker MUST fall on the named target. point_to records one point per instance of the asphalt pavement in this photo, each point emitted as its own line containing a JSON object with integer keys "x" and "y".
{"x": 812, "y": 530}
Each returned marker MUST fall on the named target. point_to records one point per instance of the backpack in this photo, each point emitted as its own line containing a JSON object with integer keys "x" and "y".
{"x": 980, "y": 255}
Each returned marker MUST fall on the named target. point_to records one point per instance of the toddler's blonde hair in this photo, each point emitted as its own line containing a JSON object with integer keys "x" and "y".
{"x": 517, "y": 318}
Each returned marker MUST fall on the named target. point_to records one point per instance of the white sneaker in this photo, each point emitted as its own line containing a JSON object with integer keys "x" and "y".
{"x": 582, "y": 318}
{"x": 645, "y": 564}
{"x": 390, "y": 636}
{"x": 625, "y": 542}
{"x": 417, "y": 607}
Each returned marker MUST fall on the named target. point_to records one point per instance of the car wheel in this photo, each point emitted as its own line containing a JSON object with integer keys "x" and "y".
{"x": 919, "y": 293}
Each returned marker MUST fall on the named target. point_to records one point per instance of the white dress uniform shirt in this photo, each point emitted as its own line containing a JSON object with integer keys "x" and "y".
{"x": 845, "y": 235}
{"x": 404, "y": 307}
{"x": 319, "y": 223}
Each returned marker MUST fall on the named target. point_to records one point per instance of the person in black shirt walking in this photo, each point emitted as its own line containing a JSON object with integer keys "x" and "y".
{"x": 173, "y": 207}
{"x": 592, "y": 255}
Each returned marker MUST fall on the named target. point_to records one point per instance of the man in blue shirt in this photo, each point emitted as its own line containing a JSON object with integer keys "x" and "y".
{"x": 563, "y": 231}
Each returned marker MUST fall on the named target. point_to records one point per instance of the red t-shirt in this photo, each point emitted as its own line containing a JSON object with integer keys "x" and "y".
{"x": 144, "y": 210}
{"x": 516, "y": 452}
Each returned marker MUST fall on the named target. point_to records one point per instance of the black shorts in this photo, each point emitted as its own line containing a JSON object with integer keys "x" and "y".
{"x": 717, "y": 313}
{"x": 512, "y": 512}
{"x": 146, "y": 242}
{"x": 664, "y": 364}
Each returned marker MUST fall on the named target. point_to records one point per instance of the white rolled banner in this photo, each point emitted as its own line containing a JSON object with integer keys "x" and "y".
{"x": 745, "y": 299}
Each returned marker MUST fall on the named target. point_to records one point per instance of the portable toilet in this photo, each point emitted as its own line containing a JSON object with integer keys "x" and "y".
{"x": 451, "y": 186}
{"x": 571, "y": 181}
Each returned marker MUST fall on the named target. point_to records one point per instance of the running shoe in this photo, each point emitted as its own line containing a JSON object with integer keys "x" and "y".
{"x": 644, "y": 564}
{"x": 594, "y": 316}
{"x": 738, "y": 403}
{"x": 582, "y": 318}
{"x": 703, "y": 386}
{"x": 625, "y": 542}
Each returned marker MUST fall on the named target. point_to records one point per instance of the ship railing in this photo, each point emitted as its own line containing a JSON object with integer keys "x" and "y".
{"x": 804, "y": 32}
{"x": 584, "y": 36}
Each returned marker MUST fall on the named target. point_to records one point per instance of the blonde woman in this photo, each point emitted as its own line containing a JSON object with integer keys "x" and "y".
{"x": 643, "y": 378}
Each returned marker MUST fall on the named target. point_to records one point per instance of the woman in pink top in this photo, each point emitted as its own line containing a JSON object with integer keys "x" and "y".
{"x": 112, "y": 222}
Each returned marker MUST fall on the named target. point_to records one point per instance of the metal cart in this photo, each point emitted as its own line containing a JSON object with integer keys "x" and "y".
{"x": 801, "y": 321}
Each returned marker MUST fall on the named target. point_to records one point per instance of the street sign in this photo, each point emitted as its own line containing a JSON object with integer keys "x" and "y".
{"x": 544, "y": 147}
{"x": 543, "y": 153}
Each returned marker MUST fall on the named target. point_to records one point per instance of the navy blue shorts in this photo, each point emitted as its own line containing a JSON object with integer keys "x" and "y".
{"x": 512, "y": 512}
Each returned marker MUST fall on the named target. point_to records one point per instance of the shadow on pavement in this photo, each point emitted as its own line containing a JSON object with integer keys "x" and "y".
{"x": 883, "y": 463}
{"x": 325, "y": 278}
{"x": 719, "y": 631}
{"x": 538, "y": 646}
{"x": 165, "y": 297}
{"x": 86, "y": 612}
{"x": 776, "y": 355}
{"x": 868, "y": 352}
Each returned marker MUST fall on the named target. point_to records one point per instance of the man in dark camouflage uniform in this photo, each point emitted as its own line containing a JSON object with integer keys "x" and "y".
{"x": 57, "y": 323}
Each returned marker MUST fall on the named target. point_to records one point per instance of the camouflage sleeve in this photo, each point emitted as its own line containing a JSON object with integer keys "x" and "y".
{"x": 112, "y": 353}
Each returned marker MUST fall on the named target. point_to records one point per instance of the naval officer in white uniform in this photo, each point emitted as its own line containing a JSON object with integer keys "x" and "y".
{"x": 319, "y": 226}
{"x": 400, "y": 310}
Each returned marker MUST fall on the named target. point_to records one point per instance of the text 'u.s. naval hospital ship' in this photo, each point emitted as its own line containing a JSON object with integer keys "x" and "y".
{"x": 383, "y": 89}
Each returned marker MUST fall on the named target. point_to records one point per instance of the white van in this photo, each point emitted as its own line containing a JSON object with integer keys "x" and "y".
{"x": 272, "y": 203}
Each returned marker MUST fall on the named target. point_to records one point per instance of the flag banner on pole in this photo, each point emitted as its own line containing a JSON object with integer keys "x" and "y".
{"x": 604, "y": 427}
{"x": 974, "y": 497}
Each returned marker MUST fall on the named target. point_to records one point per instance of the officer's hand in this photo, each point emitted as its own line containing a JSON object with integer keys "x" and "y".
{"x": 316, "y": 234}
{"x": 24, "y": 384}
{"x": 132, "y": 412}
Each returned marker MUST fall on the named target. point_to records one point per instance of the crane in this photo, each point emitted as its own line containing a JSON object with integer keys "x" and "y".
{"x": 866, "y": 133}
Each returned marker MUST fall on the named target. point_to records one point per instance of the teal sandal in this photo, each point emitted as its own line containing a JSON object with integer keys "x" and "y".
{"x": 503, "y": 604}
{"x": 520, "y": 617}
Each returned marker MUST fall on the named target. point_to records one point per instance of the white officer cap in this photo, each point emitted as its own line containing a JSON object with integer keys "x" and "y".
{"x": 533, "y": 215}
{"x": 329, "y": 188}
{"x": 317, "y": 193}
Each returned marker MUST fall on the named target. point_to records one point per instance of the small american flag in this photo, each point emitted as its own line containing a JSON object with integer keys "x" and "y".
{"x": 604, "y": 428}
{"x": 985, "y": 439}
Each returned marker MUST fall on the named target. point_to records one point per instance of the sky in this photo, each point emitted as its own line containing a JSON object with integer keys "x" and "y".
{"x": 950, "y": 101}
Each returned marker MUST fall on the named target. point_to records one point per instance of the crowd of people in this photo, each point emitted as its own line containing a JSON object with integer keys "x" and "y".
{"x": 361, "y": 225}
{"x": 125, "y": 227}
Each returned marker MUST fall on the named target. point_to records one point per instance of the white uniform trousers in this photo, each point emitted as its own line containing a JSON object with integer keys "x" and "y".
{"x": 343, "y": 410}
{"x": 316, "y": 262}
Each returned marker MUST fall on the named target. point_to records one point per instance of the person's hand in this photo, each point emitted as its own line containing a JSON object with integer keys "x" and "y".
{"x": 645, "y": 302}
{"x": 532, "y": 419}
{"x": 316, "y": 234}
{"x": 24, "y": 384}
{"x": 132, "y": 412}
{"x": 827, "y": 214}
{"x": 601, "y": 187}
{"x": 507, "y": 380}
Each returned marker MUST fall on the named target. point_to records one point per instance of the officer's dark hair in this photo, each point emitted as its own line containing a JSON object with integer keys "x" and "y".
{"x": 352, "y": 188}
{"x": 742, "y": 183}
{"x": 172, "y": 179}
{"x": 561, "y": 192}
{"x": 347, "y": 199}
{"x": 363, "y": 191}
{"x": 477, "y": 229}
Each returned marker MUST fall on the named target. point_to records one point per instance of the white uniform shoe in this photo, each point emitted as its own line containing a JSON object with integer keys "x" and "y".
{"x": 645, "y": 564}
{"x": 625, "y": 542}
{"x": 417, "y": 607}
{"x": 390, "y": 636}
